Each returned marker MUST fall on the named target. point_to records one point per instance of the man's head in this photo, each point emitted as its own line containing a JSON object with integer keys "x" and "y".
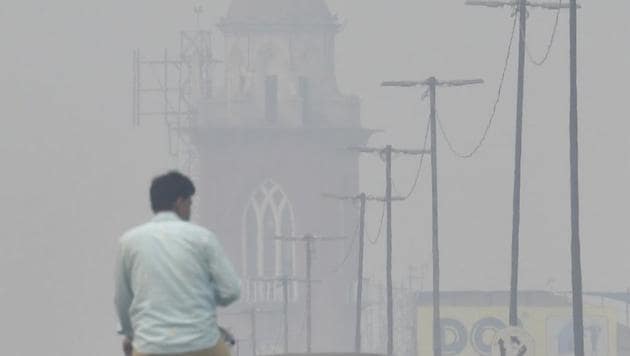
{"x": 172, "y": 191}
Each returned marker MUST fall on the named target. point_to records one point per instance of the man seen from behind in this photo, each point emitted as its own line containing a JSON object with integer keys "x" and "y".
{"x": 171, "y": 275}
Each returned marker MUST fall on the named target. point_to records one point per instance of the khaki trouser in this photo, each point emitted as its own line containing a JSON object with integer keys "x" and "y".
{"x": 220, "y": 349}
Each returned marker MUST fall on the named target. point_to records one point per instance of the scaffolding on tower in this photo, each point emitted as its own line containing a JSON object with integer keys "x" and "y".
{"x": 172, "y": 88}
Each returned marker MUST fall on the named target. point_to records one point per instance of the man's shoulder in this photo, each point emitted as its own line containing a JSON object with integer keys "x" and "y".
{"x": 195, "y": 229}
{"x": 132, "y": 233}
{"x": 204, "y": 235}
{"x": 185, "y": 228}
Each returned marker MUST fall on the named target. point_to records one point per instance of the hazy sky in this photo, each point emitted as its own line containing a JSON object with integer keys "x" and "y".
{"x": 75, "y": 172}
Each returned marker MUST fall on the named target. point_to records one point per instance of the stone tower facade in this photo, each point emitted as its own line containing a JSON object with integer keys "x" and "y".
{"x": 270, "y": 142}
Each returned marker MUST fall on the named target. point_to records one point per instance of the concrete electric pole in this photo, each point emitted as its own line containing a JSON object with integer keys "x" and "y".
{"x": 520, "y": 7}
{"x": 386, "y": 153}
{"x": 309, "y": 240}
{"x": 432, "y": 83}
{"x": 576, "y": 265}
{"x": 362, "y": 198}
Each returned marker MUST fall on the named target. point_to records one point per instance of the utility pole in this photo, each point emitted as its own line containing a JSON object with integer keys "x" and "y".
{"x": 386, "y": 153}
{"x": 437, "y": 333}
{"x": 284, "y": 280}
{"x": 432, "y": 83}
{"x": 390, "y": 297}
{"x": 252, "y": 312}
{"x": 285, "y": 312}
{"x": 413, "y": 276}
{"x": 357, "y": 334}
{"x": 520, "y": 7}
{"x": 252, "y": 320}
{"x": 576, "y": 265}
{"x": 362, "y": 198}
{"x": 309, "y": 239}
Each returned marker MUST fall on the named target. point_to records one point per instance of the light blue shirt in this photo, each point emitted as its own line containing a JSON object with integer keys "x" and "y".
{"x": 170, "y": 277}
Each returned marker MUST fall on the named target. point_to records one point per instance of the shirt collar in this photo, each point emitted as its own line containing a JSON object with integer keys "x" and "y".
{"x": 165, "y": 216}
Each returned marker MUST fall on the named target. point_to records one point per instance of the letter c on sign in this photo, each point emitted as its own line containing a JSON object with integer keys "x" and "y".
{"x": 454, "y": 336}
{"x": 483, "y": 332}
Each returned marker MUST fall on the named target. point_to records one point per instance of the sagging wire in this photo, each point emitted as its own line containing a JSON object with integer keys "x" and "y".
{"x": 551, "y": 40}
{"x": 494, "y": 107}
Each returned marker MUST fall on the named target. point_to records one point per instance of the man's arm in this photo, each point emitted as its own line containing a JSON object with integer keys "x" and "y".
{"x": 123, "y": 295}
{"x": 228, "y": 285}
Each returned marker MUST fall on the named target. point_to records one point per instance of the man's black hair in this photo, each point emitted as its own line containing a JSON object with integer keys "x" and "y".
{"x": 165, "y": 190}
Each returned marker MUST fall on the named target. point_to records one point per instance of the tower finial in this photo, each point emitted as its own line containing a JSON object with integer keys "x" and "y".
{"x": 198, "y": 10}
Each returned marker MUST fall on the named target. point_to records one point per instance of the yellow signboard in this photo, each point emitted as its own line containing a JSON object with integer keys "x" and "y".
{"x": 470, "y": 330}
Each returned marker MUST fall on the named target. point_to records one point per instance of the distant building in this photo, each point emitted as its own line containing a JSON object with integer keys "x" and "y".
{"x": 270, "y": 141}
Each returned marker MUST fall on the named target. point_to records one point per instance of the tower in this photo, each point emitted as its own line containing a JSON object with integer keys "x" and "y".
{"x": 269, "y": 139}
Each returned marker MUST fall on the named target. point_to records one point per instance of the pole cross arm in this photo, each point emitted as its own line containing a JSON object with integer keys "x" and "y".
{"x": 357, "y": 197}
{"x": 253, "y": 310}
{"x": 311, "y": 238}
{"x": 266, "y": 311}
{"x": 550, "y": 6}
{"x": 459, "y": 83}
{"x": 382, "y": 199}
{"x": 279, "y": 279}
{"x": 401, "y": 83}
{"x": 514, "y": 3}
{"x": 491, "y": 3}
{"x": 342, "y": 197}
{"x": 393, "y": 150}
{"x": 431, "y": 81}
{"x": 365, "y": 149}
{"x": 329, "y": 238}
{"x": 411, "y": 152}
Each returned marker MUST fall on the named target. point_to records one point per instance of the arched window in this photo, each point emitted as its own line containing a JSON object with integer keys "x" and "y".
{"x": 268, "y": 214}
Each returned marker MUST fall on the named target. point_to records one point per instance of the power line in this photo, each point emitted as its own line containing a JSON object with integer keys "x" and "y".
{"x": 380, "y": 228}
{"x": 494, "y": 107}
{"x": 419, "y": 170}
{"x": 369, "y": 198}
{"x": 348, "y": 251}
{"x": 551, "y": 40}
